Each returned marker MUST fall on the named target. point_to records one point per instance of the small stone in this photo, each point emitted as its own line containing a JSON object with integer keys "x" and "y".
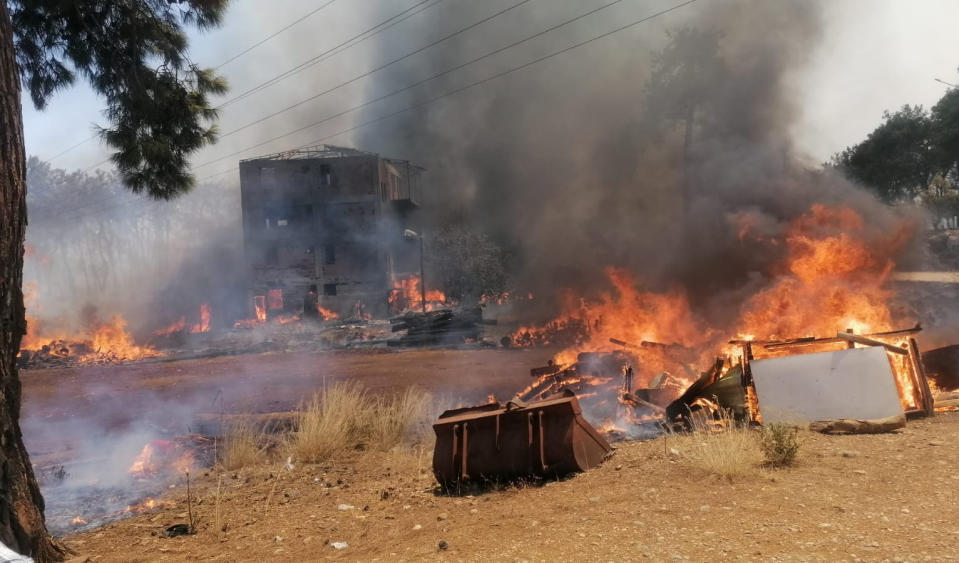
{"x": 704, "y": 508}
{"x": 442, "y": 516}
{"x": 443, "y": 545}
{"x": 345, "y": 507}
{"x": 618, "y": 467}
{"x": 859, "y": 471}
{"x": 937, "y": 443}
{"x": 674, "y": 452}
{"x": 339, "y": 545}
{"x": 277, "y": 538}
{"x": 905, "y": 511}
{"x": 849, "y": 453}
{"x": 417, "y": 528}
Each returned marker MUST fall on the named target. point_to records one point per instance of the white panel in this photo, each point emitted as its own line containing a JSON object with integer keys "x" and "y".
{"x": 856, "y": 383}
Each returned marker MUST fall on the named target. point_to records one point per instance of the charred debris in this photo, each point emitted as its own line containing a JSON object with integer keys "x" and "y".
{"x": 847, "y": 383}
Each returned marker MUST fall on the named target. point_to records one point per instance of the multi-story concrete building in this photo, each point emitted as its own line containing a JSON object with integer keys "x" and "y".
{"x": 325, "y": 226}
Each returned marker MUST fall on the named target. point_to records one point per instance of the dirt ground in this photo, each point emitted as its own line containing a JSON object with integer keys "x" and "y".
{"x": 84, "y": 401}
{"x": 849, "y": 498}
{"x": 874, "y": 498}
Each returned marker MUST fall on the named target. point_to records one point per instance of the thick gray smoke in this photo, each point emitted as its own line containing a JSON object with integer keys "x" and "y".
{"x": 582, "y": 161}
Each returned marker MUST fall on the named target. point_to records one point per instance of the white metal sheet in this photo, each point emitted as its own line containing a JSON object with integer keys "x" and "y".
{"x": 856, "y": 383}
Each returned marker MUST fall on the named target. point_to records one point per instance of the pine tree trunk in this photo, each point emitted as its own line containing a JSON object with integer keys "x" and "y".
{"x": 22, "y": 526}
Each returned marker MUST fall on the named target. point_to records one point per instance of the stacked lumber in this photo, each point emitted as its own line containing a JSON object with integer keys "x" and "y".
{"x": 442, "y": 326}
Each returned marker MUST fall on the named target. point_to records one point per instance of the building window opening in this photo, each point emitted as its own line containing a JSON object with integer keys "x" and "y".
{"x": 274, "y": 299}
{"x": 326, "y": 175}
{"x": 272, "y": 257}
{"x": 329, "y": 289}
{"x": 329, "y": 254}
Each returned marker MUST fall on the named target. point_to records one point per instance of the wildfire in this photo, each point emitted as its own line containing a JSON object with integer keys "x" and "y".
{"x": 106, "y": 342}
{"x": 148, "y": 504}
{"x": 78, "y": 521}
{"x": 206, "y": 313}
{"x": 159, "y": 457}
{"x": 407, "y": 295}
{"x": 286, "y": 319}
{"x": 326, "y": 314}
{"x": 625, "y": 314}
{"x": 111, "y": 342}
{"x": 830, "y": 277}
{"x": 259, "y": 307}
{"x": 835, "y": 272}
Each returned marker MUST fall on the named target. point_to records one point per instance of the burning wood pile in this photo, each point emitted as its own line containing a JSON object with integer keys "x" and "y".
{"x": 102, "y": 342}
{"x": 849, "y": 370}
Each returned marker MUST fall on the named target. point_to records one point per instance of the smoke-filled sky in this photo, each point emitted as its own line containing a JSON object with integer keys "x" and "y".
{"x": 871, "y": 55}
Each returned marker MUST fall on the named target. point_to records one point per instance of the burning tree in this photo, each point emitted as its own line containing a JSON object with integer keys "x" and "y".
{"x": 134, "y": 54}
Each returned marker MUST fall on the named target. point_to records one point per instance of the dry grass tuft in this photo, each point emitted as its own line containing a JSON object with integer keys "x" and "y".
{"x": 403, "y": 419}
{"x": 243, "y": 445}
{"x": 332, "y": 421}
{"x": 728, "y": 450}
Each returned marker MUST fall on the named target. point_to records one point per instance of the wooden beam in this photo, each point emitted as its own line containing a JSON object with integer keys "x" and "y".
{"x": 858, "y": 339}
{"x": 927, "y": 277}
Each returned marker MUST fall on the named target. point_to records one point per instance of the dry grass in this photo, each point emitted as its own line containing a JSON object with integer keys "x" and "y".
{"x": 332, "y": 421}
{"x": 402, "y": 419}
{"x": 728, "y": 450}
{"x": 243, "y": 445}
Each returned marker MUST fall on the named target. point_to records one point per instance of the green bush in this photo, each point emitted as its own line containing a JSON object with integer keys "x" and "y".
{"x": 780, "y": 444}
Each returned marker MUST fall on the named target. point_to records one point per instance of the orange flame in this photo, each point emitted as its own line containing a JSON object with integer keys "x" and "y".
{"x": 326, "y": 314}
{"x": 204, "y": 325}
{"x": 406, "y": 295}
{"x": 831, "y": 278}
{"x": 259, "y": 307}
{"x": 159, "y": 457}
{"x": 148, "y": 504}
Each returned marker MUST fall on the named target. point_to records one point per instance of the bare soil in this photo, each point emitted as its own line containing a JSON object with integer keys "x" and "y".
{"x": 849, "y": 498}
{"x": 110, "y": 398}
{"x": 874, "y": 498}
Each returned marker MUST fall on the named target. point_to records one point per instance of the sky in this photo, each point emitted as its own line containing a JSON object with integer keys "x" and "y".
{"x": 875, "y": 55}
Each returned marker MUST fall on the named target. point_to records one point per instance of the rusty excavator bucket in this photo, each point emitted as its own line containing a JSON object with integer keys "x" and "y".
{"x": 547, "y": 438}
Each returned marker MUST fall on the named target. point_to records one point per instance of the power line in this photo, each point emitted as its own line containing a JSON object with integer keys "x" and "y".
{"x": 413, "y": 85}
{"x": 484, "y": 80}
{"x": 377, "y": 69}
{"x": 70, "y": 148}
{"x": 224, "y": 63}
{"x": 335, "y": 50}
{"x": 265, "y": 39}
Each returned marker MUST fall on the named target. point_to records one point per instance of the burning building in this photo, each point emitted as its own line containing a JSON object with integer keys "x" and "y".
{"x": 323, "y": 231}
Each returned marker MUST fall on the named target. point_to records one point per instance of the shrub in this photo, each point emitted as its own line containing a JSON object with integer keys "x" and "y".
{"x": 780, "y": 444}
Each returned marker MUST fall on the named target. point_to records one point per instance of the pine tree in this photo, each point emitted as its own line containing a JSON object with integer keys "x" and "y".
{"x": 134, "y": 54}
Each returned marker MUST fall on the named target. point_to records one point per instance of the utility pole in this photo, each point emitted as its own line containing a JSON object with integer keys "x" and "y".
{"x": 411, "y": 234}
{"x": 422, "y": 276}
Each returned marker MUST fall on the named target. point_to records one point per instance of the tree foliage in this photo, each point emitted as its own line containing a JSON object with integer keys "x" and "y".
{"x": 133, "y": 53}
{"x": 912, "y": 153}
{"x": 685, "y": 74}
{"x": 945, "y": 131}
{"x": 897, "y": 159}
